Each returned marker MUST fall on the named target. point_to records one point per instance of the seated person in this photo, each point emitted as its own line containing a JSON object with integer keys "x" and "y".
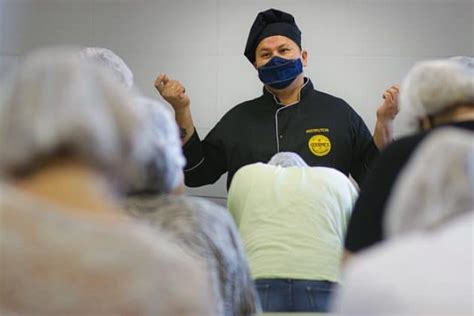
{"x": 434, "y": 94}
{"x": 202, "y": 229}
{"x": 58, "y": 263}
{"x": 206, "y": 232}
{"x": 71, "y": 142}
{"x": 425, "y": 266}
{"x": 292, "y": 219}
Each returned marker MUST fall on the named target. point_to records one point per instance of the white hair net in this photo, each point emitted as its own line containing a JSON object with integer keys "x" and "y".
{"x": 287, "y": 159}
{"x": 163, "y": 171}
{"x": 464, "y": 60}
{"x": 59, "y": 263}
{"x": 433, "y": 86}
{"x": 436, "y": 184}
{"x": 56, "y": 102}
{"x": 111, "y": 61}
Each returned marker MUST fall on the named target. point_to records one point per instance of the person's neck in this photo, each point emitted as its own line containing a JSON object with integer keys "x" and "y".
{"x": 72, "y": 186}
{"x": 460, "y": 114}
{"x": 290, "y": 94}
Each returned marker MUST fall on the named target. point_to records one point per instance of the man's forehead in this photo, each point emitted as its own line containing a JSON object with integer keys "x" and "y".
{"x": 274, "y": 41}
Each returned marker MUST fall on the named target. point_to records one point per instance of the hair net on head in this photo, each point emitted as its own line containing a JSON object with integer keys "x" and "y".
{"x": 162, "y": 173}
{"x": 437, "y": 183}
{"x": 110, "y": 61}
{"x": 433, "y": 86}
{"x": 56, "y": 102}
{"x": 464, "y": 60}
{"x": 287, "y": 159}
{"x": 118, "y": 267}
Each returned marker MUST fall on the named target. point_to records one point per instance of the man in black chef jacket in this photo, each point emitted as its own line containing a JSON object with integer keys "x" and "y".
{"x": 289, "y": 116}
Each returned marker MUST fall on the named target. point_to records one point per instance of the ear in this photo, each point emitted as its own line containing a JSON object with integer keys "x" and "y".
{"x": 424, "y": 123}
{"x": 304, "y": 57}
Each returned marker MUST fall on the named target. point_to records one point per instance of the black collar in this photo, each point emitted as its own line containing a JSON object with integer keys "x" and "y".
{"x": 307, "y": 87}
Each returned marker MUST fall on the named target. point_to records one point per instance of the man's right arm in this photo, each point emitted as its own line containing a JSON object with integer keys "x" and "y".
{"x": 206, "y": 161}
{"x": 174, "y": 93}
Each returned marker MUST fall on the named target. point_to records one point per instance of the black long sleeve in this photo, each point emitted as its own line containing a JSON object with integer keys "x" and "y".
{"x": 324, "y": 130}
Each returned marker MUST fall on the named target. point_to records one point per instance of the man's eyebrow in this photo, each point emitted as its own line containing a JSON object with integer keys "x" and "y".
{"x": 264, "y": 49}
{"x": 283, "y": 45}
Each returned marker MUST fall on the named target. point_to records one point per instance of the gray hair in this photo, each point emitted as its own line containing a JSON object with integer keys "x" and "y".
{"x": 112, "y": 62}
{"x": 163, "y": 171}
{"x": 207, "y": 232}
{"x": 287, "y": 159}
{"x": 433, "y": 86}
{"x": 56, "y": 103}
{"x": 430, "y": 189}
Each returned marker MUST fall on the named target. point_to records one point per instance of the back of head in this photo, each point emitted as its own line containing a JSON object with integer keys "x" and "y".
{"x": 162, "y": 172}
{"x": 434, "y": 86}
{"x": 60, "y": 264}
{"x": 436, "y": 184}
{"x": 287, "y": 159}
{"x": 57, "y": 105}
{"x": 110, "y": 61}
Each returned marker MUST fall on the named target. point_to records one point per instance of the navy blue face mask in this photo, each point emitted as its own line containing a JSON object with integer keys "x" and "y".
{"x": 279, "y": 72}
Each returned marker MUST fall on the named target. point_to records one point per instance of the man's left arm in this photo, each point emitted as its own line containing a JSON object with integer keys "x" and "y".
{"x": 367, "y": 146}
{"x": 386, "y": 113}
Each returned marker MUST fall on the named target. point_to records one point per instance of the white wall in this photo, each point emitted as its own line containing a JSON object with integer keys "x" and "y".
{"x": 356, "y": 48}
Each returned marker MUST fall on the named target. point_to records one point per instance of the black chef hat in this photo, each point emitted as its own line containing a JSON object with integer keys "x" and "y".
{"x": 268, "y": 23}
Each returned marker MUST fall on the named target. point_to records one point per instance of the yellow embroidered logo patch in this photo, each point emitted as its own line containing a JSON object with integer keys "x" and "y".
{"x": 319, "y": 145}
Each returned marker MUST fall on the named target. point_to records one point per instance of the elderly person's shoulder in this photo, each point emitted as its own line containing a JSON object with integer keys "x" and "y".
{"x": 199, "y": 226}
{"x": 207, "y": 232}
{"x": 181, "y": 210}
{"x": 85, "y": 265}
